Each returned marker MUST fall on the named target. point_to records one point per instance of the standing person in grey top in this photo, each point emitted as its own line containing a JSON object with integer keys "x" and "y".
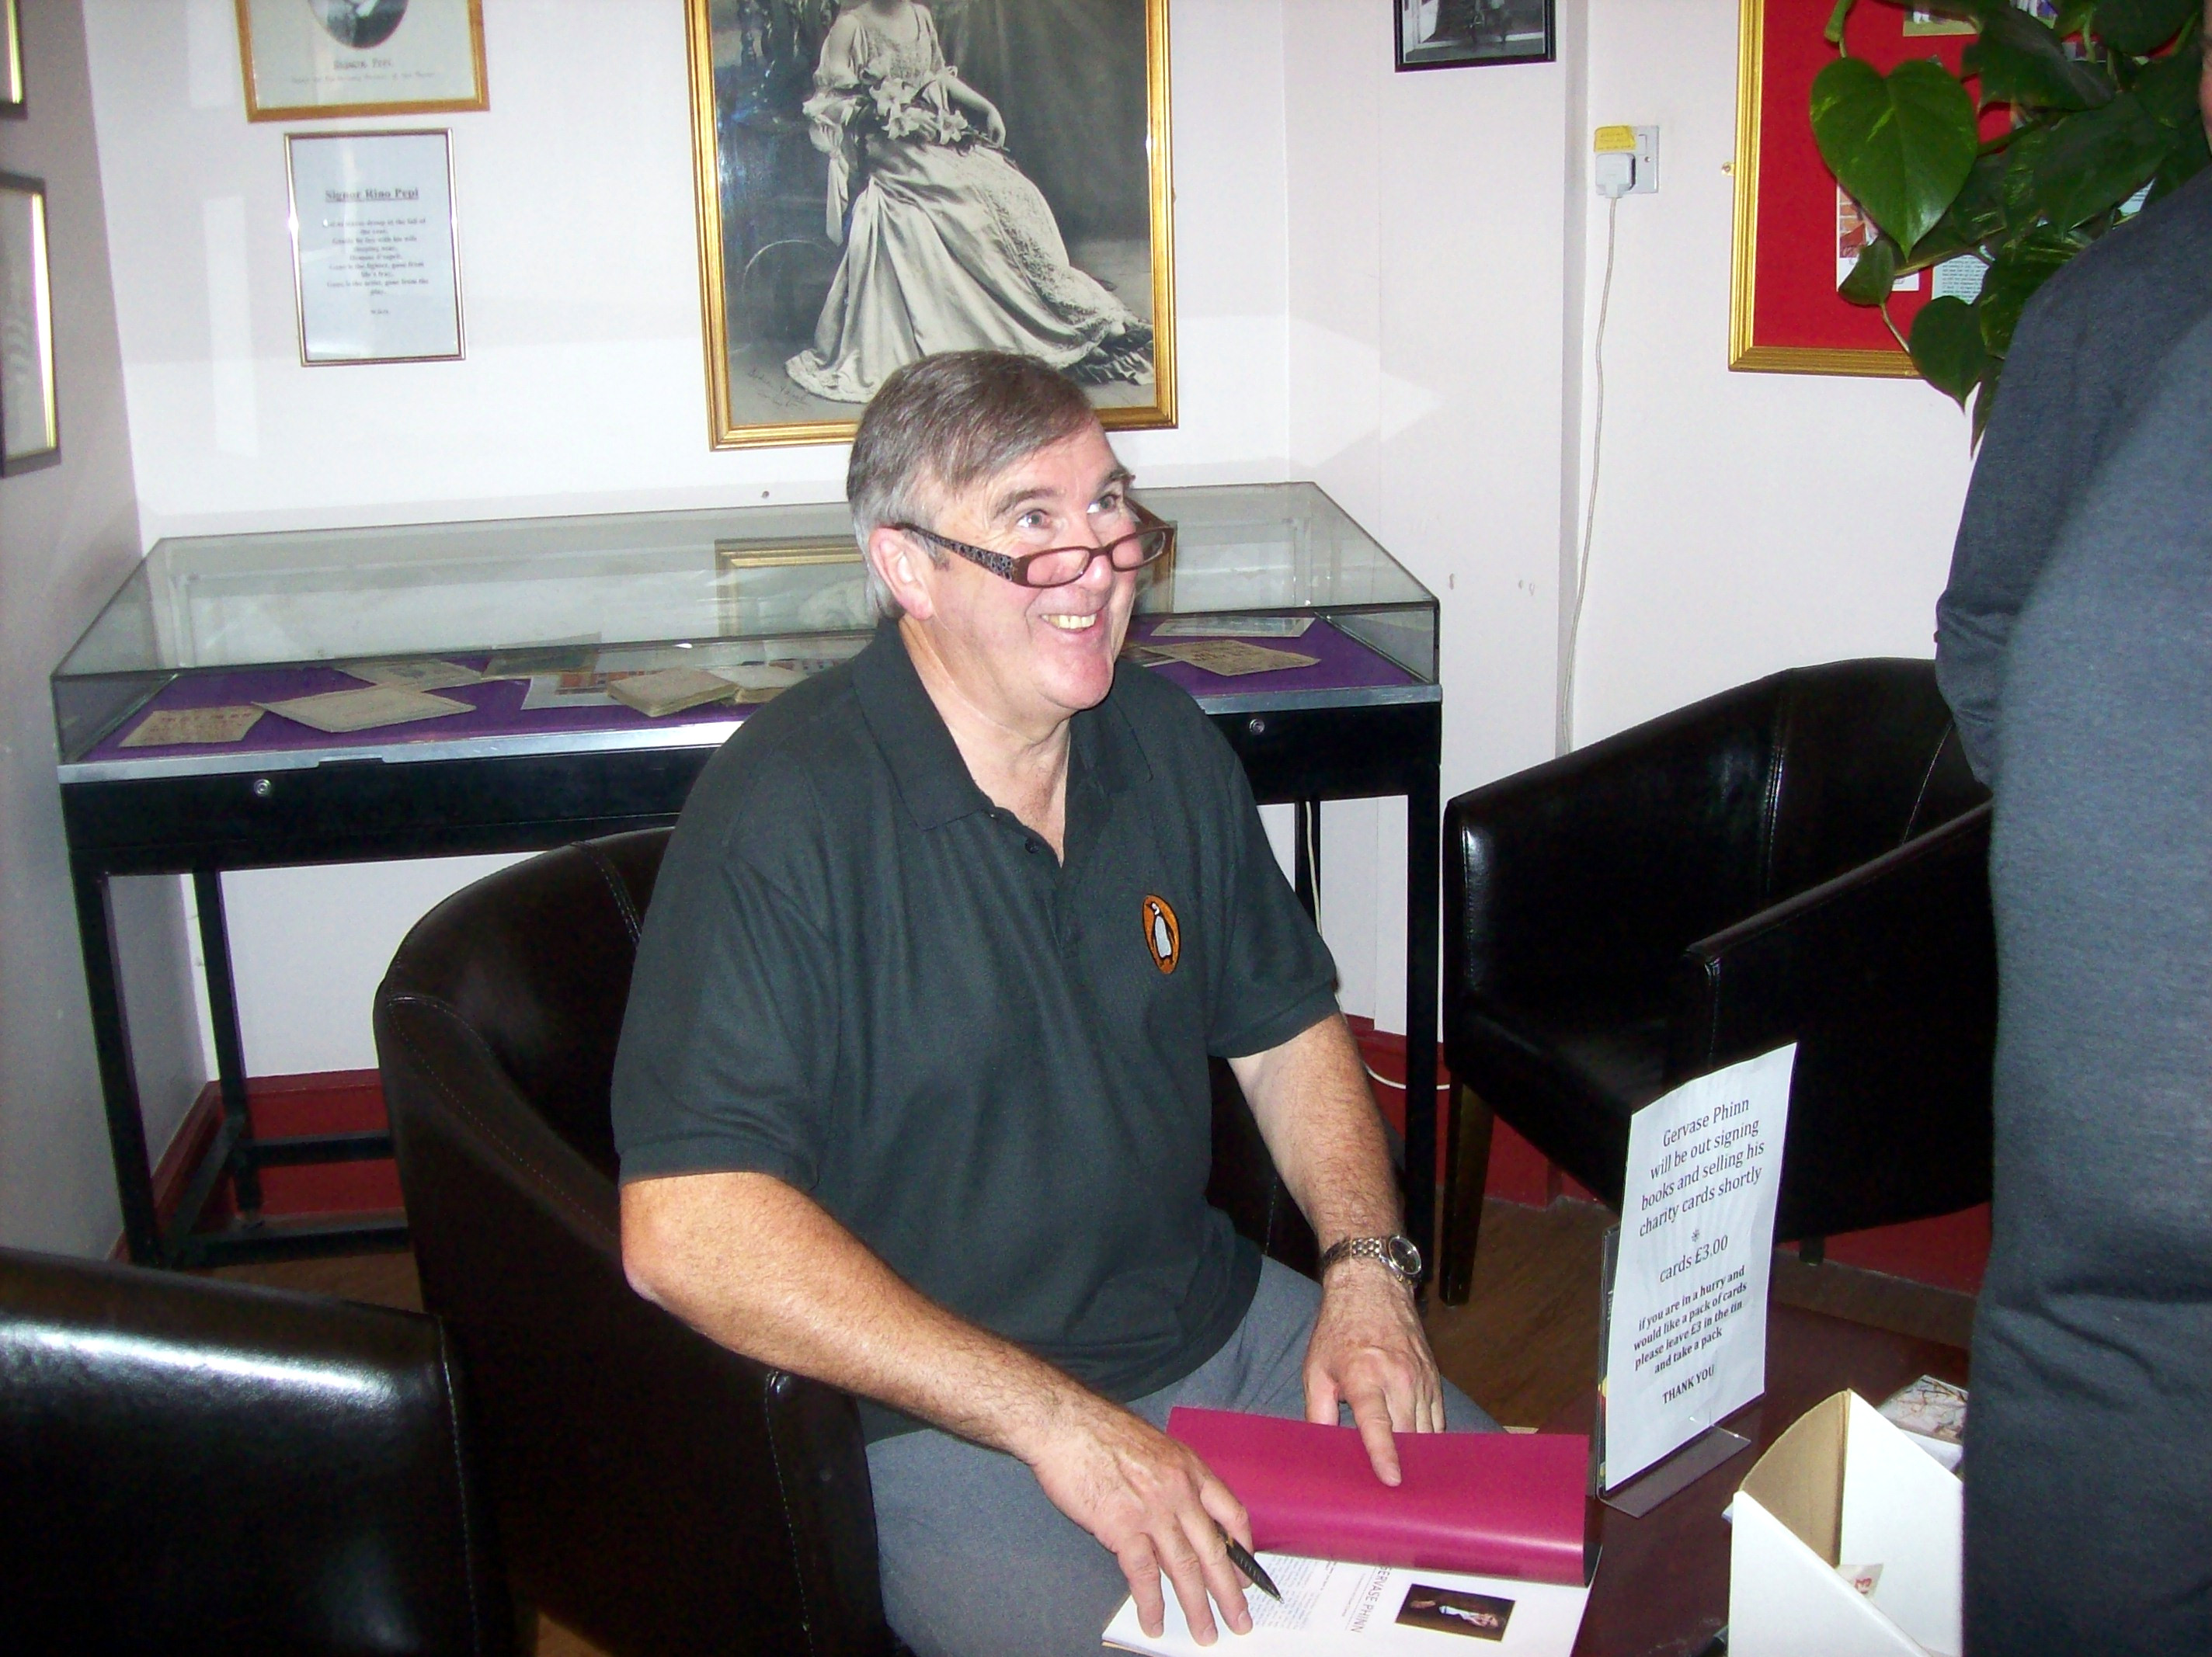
{"x": 2088, "y": 1469}
{"x": 911, "y": 1094}
{"x": 2074, "y": 646}
{"x": 2088, "y": 344}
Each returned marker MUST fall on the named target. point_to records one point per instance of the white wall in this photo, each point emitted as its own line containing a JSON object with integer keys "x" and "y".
{"x": 1387, "y": 283}
{"x": 1745, "y": 522}
{"x": 583, "y": 389}
{"x": 1427, "y": 251}
{"x": 67, "y": 535}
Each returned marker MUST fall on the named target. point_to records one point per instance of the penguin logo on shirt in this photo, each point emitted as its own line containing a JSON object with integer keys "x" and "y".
{"x": 1163, "y": 935}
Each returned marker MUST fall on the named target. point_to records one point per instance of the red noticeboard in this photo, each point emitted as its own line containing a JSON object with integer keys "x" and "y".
{"x": 1785, "y": 314}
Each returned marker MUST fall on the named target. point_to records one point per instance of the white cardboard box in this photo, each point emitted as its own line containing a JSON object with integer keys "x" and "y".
{"x": 1846, "y": 1543}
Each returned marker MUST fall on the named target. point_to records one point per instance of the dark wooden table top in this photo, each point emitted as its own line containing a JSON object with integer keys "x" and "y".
{"x": 1663, "y": 1581}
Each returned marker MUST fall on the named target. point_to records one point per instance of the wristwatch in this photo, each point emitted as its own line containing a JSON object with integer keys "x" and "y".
{"x": 1398, "y": 1253}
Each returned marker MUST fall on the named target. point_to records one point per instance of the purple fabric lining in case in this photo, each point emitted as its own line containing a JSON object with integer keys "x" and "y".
{"x": 495, "y": 707}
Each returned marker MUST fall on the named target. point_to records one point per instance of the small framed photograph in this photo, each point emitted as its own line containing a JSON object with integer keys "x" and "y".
{"x": 376, "y": 272}
{"x": 309, "y": 59}
{"x": 30, "y": 427}
{"x": 11, "y": 58}
{"x": 1453, "y": 33}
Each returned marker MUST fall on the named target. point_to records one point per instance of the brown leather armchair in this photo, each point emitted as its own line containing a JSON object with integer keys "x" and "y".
{"x": 194, "y": 1467}
{"x": 656, "y": 1493}
{"x": 1801, "y": 858}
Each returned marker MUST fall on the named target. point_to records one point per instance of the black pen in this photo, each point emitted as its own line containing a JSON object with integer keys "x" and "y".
{"x": 1255, "y": 1573}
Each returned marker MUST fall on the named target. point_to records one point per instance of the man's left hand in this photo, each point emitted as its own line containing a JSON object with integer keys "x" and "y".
{"x": 1369, "y": 1352}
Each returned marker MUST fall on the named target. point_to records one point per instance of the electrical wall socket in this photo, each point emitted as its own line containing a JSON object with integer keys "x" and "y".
{"x": 1641, "y": 144}
{"x": 1647, "y": 161}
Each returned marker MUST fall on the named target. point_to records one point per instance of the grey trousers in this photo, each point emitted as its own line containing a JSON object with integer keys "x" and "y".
{"x": 976, "y": 1563}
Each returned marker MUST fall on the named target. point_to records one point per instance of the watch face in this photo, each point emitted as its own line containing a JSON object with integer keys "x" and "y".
{"x": 1402, "y": 1257}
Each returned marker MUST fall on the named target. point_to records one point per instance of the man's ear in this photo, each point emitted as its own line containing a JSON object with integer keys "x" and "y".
{"x": 902, "y": 565}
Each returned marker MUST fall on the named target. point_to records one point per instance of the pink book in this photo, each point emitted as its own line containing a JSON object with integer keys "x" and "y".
{"x": 1489, "y": 1504}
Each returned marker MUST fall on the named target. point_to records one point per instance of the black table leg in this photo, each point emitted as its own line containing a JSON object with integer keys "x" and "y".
{"x": 118, "y": 1080}
{"x": 1424, "y": 824}
{"x": 229, "y": 1046}
{"x": 1305, "y": 862}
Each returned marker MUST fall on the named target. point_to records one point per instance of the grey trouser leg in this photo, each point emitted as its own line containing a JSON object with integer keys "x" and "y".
{"x": 976, "y": 1563}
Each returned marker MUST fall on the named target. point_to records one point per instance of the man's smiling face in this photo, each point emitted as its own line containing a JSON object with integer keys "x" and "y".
{"x": 1029, "y": 657}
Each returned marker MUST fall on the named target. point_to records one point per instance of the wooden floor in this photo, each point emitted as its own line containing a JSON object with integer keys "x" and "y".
{"x": 1523, "y": 1346}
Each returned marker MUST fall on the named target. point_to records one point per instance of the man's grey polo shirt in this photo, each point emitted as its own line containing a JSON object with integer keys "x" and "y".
{"x": 860, "y": 976}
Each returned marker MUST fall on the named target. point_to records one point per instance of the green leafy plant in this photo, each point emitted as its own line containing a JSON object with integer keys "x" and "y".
{"x": 2103, "y": 106}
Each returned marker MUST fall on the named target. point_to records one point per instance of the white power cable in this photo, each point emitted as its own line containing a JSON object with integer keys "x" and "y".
{"x": 1597, "y": 454}
{"x": 1307, "y": 827}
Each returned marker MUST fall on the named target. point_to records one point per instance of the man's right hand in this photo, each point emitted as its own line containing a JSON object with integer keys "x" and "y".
{"x": 762, "y": 1269}
{"x": 1152, "y": 1503}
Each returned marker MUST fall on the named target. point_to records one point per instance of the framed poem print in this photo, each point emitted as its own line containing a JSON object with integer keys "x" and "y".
{"x": 880, "y": 179}
{"x": 1450, "y": 33}
{"x": 30, "y": 425}
{"x": 376, "y": 272}
{"x": 11, "y": 58}
{"x": 1797, "y": 234}
{"x": 309, "y": 59}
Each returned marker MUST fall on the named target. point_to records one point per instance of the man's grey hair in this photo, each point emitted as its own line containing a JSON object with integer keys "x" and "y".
{"x": 943, "y": 424}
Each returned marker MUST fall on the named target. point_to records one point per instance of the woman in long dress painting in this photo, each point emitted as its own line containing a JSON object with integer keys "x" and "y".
{"x": 948, "y": 246}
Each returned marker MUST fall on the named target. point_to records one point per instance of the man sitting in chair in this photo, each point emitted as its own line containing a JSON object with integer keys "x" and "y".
{"x": 911, "y": 1095}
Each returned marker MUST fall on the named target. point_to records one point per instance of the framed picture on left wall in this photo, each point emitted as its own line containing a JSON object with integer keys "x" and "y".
{"x": 30, "y": 423}
{"x": 11, "y": 58}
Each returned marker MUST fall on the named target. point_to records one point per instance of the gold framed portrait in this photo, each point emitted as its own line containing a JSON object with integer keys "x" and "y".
{"x": 880, "y": 179}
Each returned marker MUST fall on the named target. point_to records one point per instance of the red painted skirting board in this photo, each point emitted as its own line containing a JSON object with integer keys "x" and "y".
{"x": 1518, "y": 1171}
{"x": 322, "y": 1101}
{"x": 1948, "y": 1252}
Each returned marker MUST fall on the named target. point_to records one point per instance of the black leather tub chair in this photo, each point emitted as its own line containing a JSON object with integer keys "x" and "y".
{"x": 656, "y": 1493}
{"x": 1804, "y": 858}
{"x": 196, "y": 1467}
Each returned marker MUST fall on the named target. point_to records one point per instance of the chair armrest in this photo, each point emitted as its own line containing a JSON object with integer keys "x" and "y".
{"x": 1588, "y": 872}
{"x": 192, "y": 1465}
{"x": 657, "y": 1492}
{"x": 1885, "y": 978}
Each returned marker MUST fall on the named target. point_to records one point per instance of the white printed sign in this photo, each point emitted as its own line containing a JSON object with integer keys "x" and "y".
{"x": 1686, "y": 1342}
{"x": 373, "y": 247}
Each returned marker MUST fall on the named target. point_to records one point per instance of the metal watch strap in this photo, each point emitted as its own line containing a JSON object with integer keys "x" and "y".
{"x": 1393, "y": 1252}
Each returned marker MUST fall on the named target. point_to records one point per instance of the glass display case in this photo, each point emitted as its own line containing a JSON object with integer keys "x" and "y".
{"x": 349, "y": 696}
{"x": 565, "y": 633}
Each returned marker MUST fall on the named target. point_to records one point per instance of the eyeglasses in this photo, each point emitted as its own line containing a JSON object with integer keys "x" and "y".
{"x": 1057, "y": 567}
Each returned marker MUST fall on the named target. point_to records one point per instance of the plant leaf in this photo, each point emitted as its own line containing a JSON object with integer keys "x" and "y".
{"x": 2073, "y": 17}
{"x": 2017, "y": 187}
{"x": 1948, "y": 348}
{"x": 2097, "y": 159}
{"x": 1985, "y": 399}
{"x": 2189, "y": 156}
{"x": 2014, "y": 274}
{"x": 2168, "y": 87}
{"x": 2139, "y": 27}
{"x": 1900, "y": 144}
{"x": 1977, "y": 214}
{"x": 1872, "y": 275}
{"x": 2021, "y": 63}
